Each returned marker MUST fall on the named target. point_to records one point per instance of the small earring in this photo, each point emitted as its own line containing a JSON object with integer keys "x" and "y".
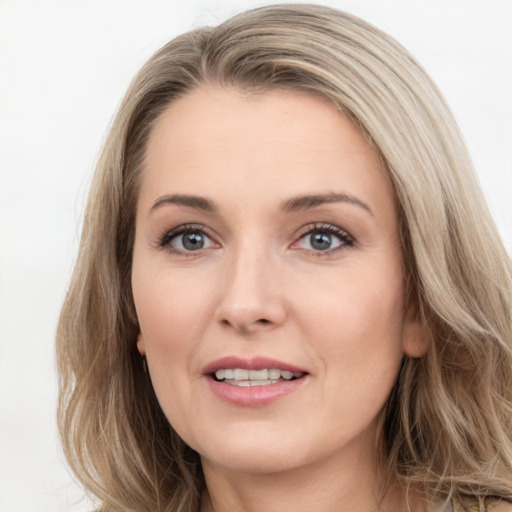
{"x": 144, "y": 364}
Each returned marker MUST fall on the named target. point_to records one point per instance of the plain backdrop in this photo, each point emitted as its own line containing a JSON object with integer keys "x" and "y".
{"x": 64, "y": 66}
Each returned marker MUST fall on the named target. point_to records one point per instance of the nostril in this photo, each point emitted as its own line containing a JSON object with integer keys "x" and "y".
{"x": 241, "y": 326}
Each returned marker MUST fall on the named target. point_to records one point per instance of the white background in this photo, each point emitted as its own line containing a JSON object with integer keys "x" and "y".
{"x": 64, "y": 66}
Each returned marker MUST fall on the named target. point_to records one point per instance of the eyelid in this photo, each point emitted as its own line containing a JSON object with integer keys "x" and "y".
{"x": 166, "y": 237}
{"x": 346, "y": 239}
{"x": 164, "y": 240}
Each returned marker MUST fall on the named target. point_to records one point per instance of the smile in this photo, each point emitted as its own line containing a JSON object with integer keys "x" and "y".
{"x": 253, "y": 382}
{"x": 247, "y": 378}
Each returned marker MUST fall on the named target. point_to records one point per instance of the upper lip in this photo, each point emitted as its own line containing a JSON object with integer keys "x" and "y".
{"x": 253, "y": 363}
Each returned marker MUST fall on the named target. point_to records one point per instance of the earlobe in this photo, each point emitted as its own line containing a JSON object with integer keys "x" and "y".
{"x": 415, "y": 336}
{"x": 141, "y": 345}
{"x": 415, "y": 341}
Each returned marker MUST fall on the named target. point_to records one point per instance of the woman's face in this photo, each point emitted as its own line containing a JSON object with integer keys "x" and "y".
{"x": 268, "y": 280}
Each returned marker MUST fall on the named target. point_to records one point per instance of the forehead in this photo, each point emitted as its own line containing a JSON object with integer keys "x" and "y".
{"x": 226, "y": 143}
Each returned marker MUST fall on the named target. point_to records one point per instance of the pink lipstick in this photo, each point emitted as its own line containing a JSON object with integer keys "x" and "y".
{"x": 253, "y": 382}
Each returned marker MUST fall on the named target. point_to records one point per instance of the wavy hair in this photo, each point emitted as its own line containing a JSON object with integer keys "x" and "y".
{"x": 446, "y": 428}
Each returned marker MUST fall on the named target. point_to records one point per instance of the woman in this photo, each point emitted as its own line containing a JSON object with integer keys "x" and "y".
{"x": 289, "y": 292}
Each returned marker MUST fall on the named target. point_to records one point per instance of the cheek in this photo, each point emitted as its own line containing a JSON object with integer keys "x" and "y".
{"x": 170, "y": 316}
{"x": 356, "y": 326}
{"x": 363, "y": 341}
{"x": 354, "y": 304}
{"x": 170, "y": 306}
{"x": 173, "y": 312}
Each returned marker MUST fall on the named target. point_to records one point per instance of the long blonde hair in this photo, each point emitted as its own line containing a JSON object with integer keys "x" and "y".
{"x": 446, "y": 428}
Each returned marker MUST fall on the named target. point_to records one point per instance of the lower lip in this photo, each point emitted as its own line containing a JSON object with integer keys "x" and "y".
{"x": 254, "y": 396}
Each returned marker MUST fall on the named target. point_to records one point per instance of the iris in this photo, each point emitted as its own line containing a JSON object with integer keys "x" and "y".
{"x": 321, "y": 241}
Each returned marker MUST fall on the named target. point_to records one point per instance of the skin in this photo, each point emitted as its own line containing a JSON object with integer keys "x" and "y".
{"x": 258, "y": 287}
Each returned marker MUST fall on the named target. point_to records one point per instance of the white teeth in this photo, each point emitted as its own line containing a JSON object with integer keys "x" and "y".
{"x": 274, "y": 374}
{"x": 258, "y": 374}
{"x": 251, "y": 383}
{"x": 254, "y": 377}
{"x": 240, "y": 374}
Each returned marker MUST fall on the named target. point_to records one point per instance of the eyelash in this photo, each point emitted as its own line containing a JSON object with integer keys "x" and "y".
{"x": 346, "y": 240}
{"x": 168, "y": 236}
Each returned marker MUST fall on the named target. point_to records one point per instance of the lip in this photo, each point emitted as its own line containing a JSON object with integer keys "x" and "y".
{"x": 253, "y": 396}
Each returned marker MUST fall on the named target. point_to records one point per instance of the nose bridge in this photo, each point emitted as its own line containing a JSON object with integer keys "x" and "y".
{"x": 251, "y": 295}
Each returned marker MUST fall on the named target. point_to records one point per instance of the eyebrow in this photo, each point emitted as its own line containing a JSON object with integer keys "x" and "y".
{"x": 311, "y": 201}
{"x": 196, "y": 202}
{"x": 299, "y": 203}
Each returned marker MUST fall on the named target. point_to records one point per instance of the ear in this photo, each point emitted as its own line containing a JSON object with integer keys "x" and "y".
{"x": 415, "y": 335}
{"x": 141, "y": 345}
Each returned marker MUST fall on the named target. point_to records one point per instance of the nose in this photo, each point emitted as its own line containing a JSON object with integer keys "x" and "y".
{"x": 252, "y": 299}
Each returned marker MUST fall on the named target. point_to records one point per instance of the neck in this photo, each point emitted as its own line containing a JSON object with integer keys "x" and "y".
{"x": 327, "y": 486}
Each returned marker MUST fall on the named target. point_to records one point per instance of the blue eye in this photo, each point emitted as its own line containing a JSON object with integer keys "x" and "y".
{"x": 185, "y": 239}
{"x": 324, "y": 238}
{"x": 321, "y": 241}
{"x": 189, "y": 241}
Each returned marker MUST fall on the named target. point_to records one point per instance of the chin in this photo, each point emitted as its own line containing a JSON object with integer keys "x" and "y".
{"x": 262, "y": 462}
{"x": 250, "y": 454}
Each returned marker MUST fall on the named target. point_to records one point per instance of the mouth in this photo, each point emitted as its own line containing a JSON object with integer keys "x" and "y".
{"x": 253, "y": 382}
{"x": 248, "y": 378}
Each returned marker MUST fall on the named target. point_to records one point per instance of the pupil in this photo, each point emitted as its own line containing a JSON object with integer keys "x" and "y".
{"x": 193, "y": 241}
{"x": 321, "y": 241}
